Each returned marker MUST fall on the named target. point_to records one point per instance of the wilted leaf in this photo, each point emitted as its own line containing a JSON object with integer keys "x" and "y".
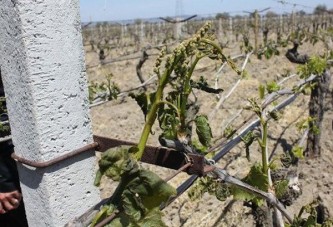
{"x": 274, "y": 115}
{"x": 104, "y": 212}
{"x": 115, "y": 162}
{"x": 280, "y": 188}
{"x": 151, "y": 189}
{"x": 248, "y": 139}
{"x": 229, "y": 132}
{"x": 257, "y": 179}
{"x": 203, "y": 85}
{"x": 203, "y": 130}
{"x": 139, "y": 192}
{"x": 168, "y": 123}
{"x": 222, "y": 192}
{"x": 152, "y": 219}
{"x": 144, "y": 100}
{"x": 211, "y": 186}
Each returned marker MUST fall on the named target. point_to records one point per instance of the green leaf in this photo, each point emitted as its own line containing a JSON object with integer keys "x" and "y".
{"x": 168, "y": 117}
{"x": 255, "y": 178}
{"x": 297, "y": 151}
{"x": 308, "y": 123}
{"x": 199, "y": 147}
{"x": 144, "y": 193}
{"x": 308, "y": 216}
{"x": 316, "y": 65}
{"x": 98, "y": 178}
{"x": 152, "y": 219}
{"x": 152, "y": 189}
{"x": 132, "y": 205}
{"x": 254, "y": 106}
{"x": 116, "y": 162}
{"x": 272, "y": 87}
{"x": 203, "y": 130}
{"x": 168, "y": 123}
{"x": 261, "y": 91}
{"x": 280, "y": 188}
{"x": 248, "y": 139}
{"x": 139, "y": 192}
{"x": 104, "y": 212}
{"x": 211, "y": 186}
{"x": 144, "y": 100}
{"x": 222, "y": 192}
{"x": 229, "y": 132}
{"x": 117, "y": 222}
{"x": 310, "y": 222}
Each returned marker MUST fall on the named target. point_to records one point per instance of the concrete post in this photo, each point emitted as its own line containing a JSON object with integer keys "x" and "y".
{"x": 220, "y": 29}
{"x": 42, "y": 64}
{"x": 178, "y": 29}
{"x": 281, "y": 23}
{"x": 142, "y": 33}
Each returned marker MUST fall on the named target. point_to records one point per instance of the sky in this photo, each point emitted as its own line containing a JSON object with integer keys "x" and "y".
{"x": 114, "y": 10}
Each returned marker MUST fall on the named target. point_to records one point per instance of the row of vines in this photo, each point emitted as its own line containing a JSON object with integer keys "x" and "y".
{"x": 103, "y": 37}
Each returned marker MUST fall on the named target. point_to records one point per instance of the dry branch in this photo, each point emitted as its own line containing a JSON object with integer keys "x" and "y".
{"x": 269, "y": 197}
{"x": 143, "y": 59}
{"x": 223, "y": 98}
{"x": 218, "y": 73}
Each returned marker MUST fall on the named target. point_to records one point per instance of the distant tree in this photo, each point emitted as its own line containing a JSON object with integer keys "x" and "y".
{"x": 137, "y": 21}
{"x": 223, "y": 16}
{"x": 238, "y": 17}
{"x": 321, "y": 8}
{"x": 301, "y": 13}
{"x": 271, "y": 14}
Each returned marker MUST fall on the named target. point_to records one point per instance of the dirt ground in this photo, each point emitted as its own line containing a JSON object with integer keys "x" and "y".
{"x": 122, "y": 118}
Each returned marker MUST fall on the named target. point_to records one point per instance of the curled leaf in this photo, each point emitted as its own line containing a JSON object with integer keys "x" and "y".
{"x": 144, "y": 100}
{"x": 203, "y": 85}
{"x": 255, "y": 178}
{"x": 116, "y": 162}
{"x": 203, "y": 130}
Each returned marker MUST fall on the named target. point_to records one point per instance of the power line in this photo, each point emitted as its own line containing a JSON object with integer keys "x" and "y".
{"x": 284, "y": 2}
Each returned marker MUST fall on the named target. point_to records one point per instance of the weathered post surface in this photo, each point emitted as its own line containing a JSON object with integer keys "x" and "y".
{"x": 42, "y": 61}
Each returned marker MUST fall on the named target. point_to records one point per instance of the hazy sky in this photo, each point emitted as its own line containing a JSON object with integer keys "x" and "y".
{"x": 102, "y": 10}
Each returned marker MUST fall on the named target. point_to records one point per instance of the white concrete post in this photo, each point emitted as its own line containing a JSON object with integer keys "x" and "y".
{"x": 42, "y": 64}
{"x": 178, "y": 29}
{"x": 142, "y": 33}
{"x": 281, "y": 23}
{"x": 230, "y": 33}
{"x": 220, "y": 29}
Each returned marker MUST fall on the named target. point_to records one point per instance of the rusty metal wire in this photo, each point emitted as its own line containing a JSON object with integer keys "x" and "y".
{"x": 36, "y": 164}
{"x": 181, "y": 169}
{"x": 107, "y": 220}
